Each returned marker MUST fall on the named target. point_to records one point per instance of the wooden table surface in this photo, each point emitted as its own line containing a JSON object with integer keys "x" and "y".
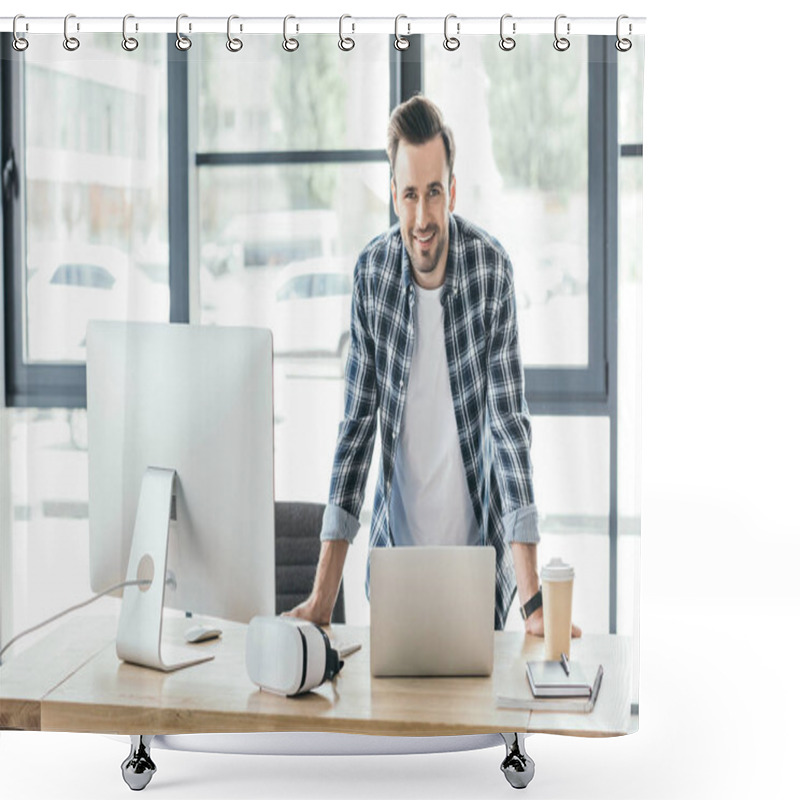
{"x": 72, "y": 680}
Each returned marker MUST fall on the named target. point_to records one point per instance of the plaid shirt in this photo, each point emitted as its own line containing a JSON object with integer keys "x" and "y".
{"x": 486, "y": 380}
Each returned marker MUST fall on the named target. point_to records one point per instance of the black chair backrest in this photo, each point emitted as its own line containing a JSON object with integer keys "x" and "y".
{"x": 297, "y": 546}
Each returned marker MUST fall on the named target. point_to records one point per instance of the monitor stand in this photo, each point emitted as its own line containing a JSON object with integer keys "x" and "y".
{"x": 140, "y": 619}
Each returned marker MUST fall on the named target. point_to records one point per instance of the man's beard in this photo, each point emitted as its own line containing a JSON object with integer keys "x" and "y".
{"x": 426, "y": 264}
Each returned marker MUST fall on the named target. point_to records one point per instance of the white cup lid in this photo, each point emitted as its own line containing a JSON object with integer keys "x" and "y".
{"x": 557, "y": 570}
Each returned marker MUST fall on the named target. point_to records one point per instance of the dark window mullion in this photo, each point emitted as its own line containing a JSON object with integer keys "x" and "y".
{"x": 611, "y": 191}
{"x": 406, "y": 74}
{"x": 178, "y": 191}
{"x": 547, "y": 385}
{"x": 9, "y": 142}
{"x": 288, "y": 157}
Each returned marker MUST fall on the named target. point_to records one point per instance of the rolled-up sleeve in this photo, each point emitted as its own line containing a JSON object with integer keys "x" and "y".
{"x": 338, "y": 524}
{"x": 522, "y": 525}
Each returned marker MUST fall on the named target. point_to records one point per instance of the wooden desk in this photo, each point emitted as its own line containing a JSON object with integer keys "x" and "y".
{"x": 72, "y": 680}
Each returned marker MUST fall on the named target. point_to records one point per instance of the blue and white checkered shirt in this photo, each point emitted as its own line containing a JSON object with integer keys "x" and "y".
{"x": 486, "y": 379}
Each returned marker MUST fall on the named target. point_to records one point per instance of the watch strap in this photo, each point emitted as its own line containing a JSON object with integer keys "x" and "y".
{"x": 532, "y": 605}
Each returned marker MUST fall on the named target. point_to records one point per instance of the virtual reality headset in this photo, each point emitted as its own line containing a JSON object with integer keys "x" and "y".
{"x": 288, "y": 656}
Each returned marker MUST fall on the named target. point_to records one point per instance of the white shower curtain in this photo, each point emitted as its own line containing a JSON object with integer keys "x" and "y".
{"x": 227, "y": 188}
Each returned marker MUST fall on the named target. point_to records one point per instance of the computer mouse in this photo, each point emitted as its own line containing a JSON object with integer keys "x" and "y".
{"x": 201, "y": 633}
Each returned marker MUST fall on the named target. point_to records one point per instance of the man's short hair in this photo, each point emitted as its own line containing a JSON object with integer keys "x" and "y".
{"x": 417, "y": 121}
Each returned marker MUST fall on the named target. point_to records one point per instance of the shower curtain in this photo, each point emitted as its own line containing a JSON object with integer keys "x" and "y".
{"x": 236, "y": 180}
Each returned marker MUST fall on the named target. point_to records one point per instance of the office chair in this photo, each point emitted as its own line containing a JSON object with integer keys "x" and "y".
{"x": 297, "y": 546}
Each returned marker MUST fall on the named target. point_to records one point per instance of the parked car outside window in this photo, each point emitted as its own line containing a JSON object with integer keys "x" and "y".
{"x": 312, "y": 309}
{"x": 70, "y": 284}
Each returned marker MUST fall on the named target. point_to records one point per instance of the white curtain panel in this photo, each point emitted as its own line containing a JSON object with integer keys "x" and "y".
{"x": 228, "y": 185}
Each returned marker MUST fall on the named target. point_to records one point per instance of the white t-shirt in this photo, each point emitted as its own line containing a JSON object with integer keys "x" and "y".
{"x": 430, "y": 502}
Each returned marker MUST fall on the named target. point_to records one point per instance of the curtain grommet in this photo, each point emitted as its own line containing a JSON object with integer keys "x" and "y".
{"x": 561, "y": 43}
{"x": 346, "y": 43}
{"x": 400, "y": 42}
{"x": 507, "y": 43}
{"x": 623, "y": 44}
{"x": 289, "y": 44}
{"x": 129, "y": 43}
{"x": 71, "y": 43}
{"x": 451, "y": 43}
{"x": 19, "y": 43}
{"x": 234, "y": 44}
{"x": 182, "y": 42}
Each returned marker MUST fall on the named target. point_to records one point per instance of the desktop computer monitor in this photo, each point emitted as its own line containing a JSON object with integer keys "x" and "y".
{"x": 181, "y": 489}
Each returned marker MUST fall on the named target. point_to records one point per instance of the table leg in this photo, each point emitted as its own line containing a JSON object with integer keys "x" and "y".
{"x": 517, "y": 766}
{"x": 138, "y": 768}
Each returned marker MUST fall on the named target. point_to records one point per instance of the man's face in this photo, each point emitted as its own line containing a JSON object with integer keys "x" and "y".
{"x": 423, "y": 202}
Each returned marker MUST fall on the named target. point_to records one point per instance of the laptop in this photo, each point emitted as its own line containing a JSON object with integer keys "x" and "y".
{"x": 432, "y": 611}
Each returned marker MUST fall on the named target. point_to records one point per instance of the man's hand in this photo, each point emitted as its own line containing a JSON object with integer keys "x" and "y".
{"x": 534, "y": 625}
{"x": 309, "y": 610}
{"x": 320, "y": 604}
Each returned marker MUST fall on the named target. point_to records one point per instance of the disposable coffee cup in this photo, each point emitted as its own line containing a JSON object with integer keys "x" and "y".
{"x": 557, "y": 580}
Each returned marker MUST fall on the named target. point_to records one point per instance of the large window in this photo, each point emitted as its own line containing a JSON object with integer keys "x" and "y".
{"x": 522, "y": 174}
{"x": 89, "y": 232}
{"x": 292, "y": 181}
{"x": 245, "y": 197}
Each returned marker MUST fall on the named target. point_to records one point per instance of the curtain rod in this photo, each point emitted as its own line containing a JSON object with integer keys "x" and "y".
{"x": 461, "y": 26}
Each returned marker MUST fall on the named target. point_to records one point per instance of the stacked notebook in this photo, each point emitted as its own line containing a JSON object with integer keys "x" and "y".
{"x": 555, "y": 689}
{"x": 550, "y": 679}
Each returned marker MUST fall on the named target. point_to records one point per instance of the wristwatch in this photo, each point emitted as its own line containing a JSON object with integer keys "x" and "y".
{"x": 531, "y": 606}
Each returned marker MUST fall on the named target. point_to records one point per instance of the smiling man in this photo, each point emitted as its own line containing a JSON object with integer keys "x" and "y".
{"x": 434, "y": 361}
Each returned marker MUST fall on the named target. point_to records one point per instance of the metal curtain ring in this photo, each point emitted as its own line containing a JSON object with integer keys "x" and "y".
{"x": 129, "y": 43}
{"x": 233, "y": 44}
{"x": 345, "y": 42}
{"x": 507, "y": 42}
{"x": 19, "y": 43}
{"x": 289, "y": 45}
{"x": 451, "y": 42}
{"x": 400, "y": 42}
{"x": 623, "y": 45}
{"x": 561, "y": 43}
{"x": 70, "y": 42}
{"x": 181, "y": 42}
